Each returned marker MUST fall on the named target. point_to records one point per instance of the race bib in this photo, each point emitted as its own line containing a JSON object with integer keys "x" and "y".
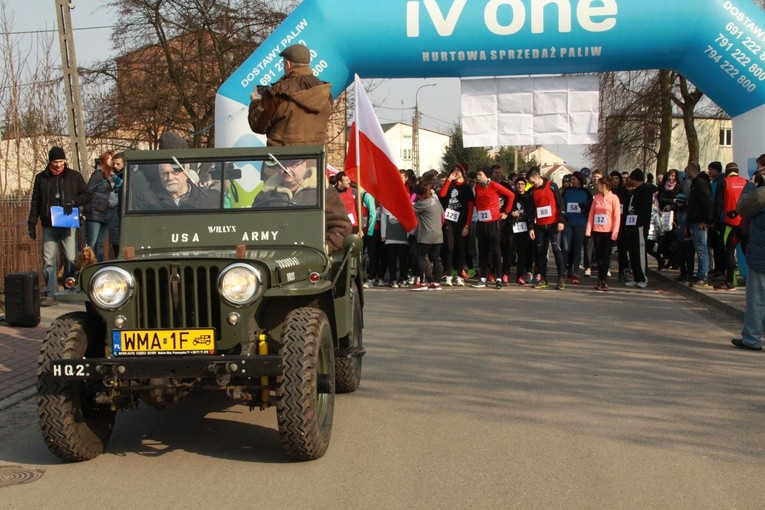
{"x": 452, "y": 215}
{"x": 573, "y": 207}
{"x": 484, "y": 215}
{"x": 631, "y": 220}
{"x": 601, "y": 219}
{"x": 520, "y": 227}
{"x": 544, "y": 212}
{"x": 364, "y": 222}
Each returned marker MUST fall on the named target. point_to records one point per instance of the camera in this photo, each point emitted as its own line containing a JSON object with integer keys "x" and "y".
{"x": 230, "y": 172}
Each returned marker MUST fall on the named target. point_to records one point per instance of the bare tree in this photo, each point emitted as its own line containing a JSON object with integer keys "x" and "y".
{"x": 175, "y": 54}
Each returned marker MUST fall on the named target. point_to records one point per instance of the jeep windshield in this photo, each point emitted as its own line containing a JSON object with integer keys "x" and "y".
{"x": 176, "y": 183}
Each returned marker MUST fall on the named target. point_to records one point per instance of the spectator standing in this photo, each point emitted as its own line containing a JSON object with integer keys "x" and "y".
{"x": 728, "y": 192}
{"x": 699, "y": 218}
{"x": 549, "y": 223}
{"x": 490, "y": 219}
{"x": 56, "y": 186}
{"x": 101, "y": 184}
{"x": 113, "y": 217}
{"x": 751, "y": 205}
{"x": 717, "y": 230}
{"x": 603, "y": 223}
{"x": 638, "y": 212}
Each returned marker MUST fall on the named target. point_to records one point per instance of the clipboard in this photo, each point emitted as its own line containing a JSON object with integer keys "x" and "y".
{"x": 59, "y": 219}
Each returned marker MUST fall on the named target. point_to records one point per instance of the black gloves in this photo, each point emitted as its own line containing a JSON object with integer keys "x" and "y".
{"x": 68, "y": 208}
{"x": 32, "y": 230}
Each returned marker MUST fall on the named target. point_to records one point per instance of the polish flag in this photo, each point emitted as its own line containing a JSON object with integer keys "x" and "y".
{"x": 370, "y": 164}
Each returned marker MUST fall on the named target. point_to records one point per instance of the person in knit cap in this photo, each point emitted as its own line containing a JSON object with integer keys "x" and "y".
{"x": 59, "y": 186}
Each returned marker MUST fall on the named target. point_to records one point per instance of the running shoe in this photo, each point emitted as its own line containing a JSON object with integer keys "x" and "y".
{"x": 480, "y": 284}
{"x": 529, "y": 277}
{"x": 522, "y": 282}
{"x": 460, "y": 282}
{"x": 725, "y": 286}
{"x": 561, "y": 284}
{"x": 435, "y": 286}
{"x": 393, "y": 285}
{"x": 542, "y": 284}
{"x": 368, "y": 284}
{"x": 499, "y": 284}
{"x": 419, "y": 287}
{"x": 575, "y": 280}
{"x": 491, "y": 277}
{"x": 642, "y": 285}
{"x": 538, "y": 278}
{"x": 448, "y": 281}
{"x": 505, "y": 278}
{"x": 587, "y": 272}
{"x": 463, "y": 274}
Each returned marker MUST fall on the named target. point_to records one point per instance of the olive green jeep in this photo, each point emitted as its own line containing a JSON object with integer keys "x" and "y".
{"x": 224, "y": 282}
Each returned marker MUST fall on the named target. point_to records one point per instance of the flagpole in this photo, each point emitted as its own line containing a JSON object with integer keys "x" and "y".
{"x": 359, "y": 189}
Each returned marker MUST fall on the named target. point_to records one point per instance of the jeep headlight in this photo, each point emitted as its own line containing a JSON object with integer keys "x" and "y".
{"x": 111, "y": 288}
{"x": 240, "y": 284}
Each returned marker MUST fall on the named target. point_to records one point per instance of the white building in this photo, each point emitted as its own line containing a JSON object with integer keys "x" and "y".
{"x": 432, "y": 146}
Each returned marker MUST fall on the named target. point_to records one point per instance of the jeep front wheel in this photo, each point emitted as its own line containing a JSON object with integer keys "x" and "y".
{"x": 74, "y": 427}
{"x": 306, "y": 393}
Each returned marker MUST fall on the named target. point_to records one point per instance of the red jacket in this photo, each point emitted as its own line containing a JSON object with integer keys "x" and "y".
{"x": 487, "y": 200}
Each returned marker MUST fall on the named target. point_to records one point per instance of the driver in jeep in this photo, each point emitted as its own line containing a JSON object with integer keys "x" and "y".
{"x": 295, "y": 183}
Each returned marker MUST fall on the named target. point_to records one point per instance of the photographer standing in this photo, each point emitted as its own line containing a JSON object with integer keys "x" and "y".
{"x": 294, "y": 110}
{"x": 56, "y": 186}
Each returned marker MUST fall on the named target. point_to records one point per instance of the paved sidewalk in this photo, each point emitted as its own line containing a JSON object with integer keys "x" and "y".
{"x": 20, "y": 347}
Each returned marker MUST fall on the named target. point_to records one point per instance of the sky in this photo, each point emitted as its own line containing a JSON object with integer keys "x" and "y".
{"x": 394, "y": 100}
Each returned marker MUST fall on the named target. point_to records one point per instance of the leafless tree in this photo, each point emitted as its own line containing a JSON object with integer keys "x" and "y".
{"x": 176, "y": 54}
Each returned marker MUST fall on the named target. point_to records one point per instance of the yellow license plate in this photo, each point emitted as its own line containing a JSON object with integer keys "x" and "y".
{"x": 142, "y": 342}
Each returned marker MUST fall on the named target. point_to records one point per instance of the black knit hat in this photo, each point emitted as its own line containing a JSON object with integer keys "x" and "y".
{"x": 637, "y": 175}
{"x": 56, "y": 153}
{"x": 172, "y": 140}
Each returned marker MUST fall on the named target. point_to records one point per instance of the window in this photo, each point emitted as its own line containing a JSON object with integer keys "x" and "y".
{"x": 407, "y": 154}
{"x": 726, "y": 137}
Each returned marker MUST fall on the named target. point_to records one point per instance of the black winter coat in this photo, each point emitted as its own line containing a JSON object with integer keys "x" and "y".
{"x": 68, "y": 185}
{"x": 700, "y": 202}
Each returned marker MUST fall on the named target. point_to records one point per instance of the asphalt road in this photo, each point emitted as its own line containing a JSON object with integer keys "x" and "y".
{"x": 470, "y": 399}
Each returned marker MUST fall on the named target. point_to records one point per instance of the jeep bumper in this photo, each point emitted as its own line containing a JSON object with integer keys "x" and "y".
{"x": 87, "y": 369}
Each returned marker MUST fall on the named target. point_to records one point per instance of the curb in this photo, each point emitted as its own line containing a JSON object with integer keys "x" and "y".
{"x": 697, "y": 295}
{"x": 17, "y": 397}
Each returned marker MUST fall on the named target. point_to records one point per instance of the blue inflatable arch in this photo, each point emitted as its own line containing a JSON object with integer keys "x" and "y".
{"x": 717, "y": 44}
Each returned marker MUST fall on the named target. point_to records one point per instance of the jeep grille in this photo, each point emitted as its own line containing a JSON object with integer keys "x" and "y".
{"x": 177, "y": 297}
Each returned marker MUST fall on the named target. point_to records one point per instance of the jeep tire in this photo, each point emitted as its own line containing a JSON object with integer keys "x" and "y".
{"x": 74, "y": 427}
{"x": 306, "y": 393}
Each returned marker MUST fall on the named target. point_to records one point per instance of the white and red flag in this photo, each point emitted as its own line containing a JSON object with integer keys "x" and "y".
{"x": 370, "y": 164}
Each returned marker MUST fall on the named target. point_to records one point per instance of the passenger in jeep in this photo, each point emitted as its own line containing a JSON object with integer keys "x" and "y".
{"x": 295, "y": 184}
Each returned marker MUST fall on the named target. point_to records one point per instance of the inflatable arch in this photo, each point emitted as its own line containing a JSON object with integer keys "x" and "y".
{"x": 717, "y": 44}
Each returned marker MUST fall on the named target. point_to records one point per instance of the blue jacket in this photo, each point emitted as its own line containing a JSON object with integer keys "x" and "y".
{"x": 751, "y": 205}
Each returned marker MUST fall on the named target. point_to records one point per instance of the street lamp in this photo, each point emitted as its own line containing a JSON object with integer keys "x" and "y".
{"x": 416, "y": 130}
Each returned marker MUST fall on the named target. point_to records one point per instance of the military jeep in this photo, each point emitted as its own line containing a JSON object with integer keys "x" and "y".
{"x": 220, "y": 284}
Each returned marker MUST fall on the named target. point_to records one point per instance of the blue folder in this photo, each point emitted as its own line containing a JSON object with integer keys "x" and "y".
{"x": 59, "y": 219}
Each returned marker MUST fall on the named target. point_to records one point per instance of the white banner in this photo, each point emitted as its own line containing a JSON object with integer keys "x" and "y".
{"x": 530, "y": 111}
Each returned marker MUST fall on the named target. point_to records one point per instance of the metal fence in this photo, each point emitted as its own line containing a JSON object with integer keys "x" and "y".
{"x": 17, "y": 251}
